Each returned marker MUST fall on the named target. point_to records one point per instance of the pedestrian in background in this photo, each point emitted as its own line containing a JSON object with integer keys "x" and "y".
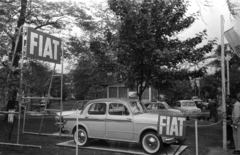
{"x": 229, "y": 108}
{"x": 236, "y": 124}
{"x": 213, "y": 109}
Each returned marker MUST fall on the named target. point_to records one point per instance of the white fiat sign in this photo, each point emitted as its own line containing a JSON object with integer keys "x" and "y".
{"x": 43, "y": 46}
{"x": 171, "y": 126}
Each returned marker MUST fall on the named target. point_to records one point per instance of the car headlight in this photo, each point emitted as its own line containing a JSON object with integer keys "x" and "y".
{"x": 58, "y": 118}
{"x": 184, "y": 111}
{"x": 179, "y": 114}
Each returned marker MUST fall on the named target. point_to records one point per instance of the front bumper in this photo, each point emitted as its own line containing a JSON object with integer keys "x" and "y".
{"x": 169, "y": 140}
{"x": 60, "y": 122}
{"x": 193, "y": 115}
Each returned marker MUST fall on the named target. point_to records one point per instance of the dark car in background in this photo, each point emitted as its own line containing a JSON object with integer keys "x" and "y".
{"x": 201, "y": 104}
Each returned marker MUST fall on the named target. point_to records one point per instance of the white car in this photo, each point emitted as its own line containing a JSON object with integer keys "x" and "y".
{"x": 119, "y": 120}
{"x": 162, "y": 108}
{"x": 189, "y": 108}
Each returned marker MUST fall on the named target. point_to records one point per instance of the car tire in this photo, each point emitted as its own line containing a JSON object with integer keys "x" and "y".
{"x": 151, "y": 143}
{"x": 82, "y": 138}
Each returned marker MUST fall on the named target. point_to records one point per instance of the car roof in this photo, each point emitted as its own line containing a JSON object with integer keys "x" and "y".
{"x": 153, "y": 102}
{"x": 111, "y": 100}
{"x": 185, "y": 100}
{"x": 114, "y": 99}
{"x": 197, "y": 100}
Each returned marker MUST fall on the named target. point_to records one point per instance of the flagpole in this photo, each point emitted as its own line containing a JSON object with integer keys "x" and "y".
{"x": 223, "y": 84}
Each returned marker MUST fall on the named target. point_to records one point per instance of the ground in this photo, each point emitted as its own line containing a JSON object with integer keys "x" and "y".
{"x": 209, "y": 138}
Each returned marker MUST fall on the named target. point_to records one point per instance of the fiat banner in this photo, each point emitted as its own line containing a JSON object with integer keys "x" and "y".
{"x": 171, "y": 126}
{"x": 43, "y": 46}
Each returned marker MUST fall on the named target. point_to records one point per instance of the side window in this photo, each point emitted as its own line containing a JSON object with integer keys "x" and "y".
{"x": 117, "y": 109}
{"x": 97, "y": 109}
{"x": 178, "y": 104}
{"x": 161, "y": 106}
{"x": 155, "y": 106}
{"x": 148, "y": 106}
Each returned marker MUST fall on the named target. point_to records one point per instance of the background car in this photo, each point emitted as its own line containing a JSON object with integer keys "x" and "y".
{"x": 119, "y": 120}
{"x": 162, "y": 108}
{"x": 200, "y": 104}
{"x": 59, "y": 121}
{"x": 189, "y": 108}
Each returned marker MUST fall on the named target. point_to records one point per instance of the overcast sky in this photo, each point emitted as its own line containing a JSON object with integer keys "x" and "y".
{"x": 210, "y": 19}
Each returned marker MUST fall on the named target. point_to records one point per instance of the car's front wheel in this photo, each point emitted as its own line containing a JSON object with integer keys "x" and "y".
{"x": 81, "y": 137}
{"x": 151, "y": 143}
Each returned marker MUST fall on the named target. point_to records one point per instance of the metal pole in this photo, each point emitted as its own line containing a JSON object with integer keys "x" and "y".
{"x": 196, "y": 136}
{"x": 61, "y": 106}
{"x": 199, "y": 87}
{"x": 77, "y": 135}
{"x": 223, "y": 84}
{"x": 228, "y": 80}
{"x": 21, "y": 32}
{"x": 228, "y": 58}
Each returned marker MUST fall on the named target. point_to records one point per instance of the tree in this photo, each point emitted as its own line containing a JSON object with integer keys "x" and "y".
{"x": 94, "y": 60}
{"x": 47, "y": 16}
{"x": 36, "y": 78}
{"x": 148, "y": 43}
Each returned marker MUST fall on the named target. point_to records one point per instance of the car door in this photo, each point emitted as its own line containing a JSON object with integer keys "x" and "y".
{"x": 161, "y": 109}
{"x": 178, "y": 105}
{"x": 95, "y": 120}
{"x": 119, "y": 122}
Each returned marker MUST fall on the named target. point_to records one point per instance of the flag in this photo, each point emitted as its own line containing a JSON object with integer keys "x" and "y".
{"x": 234, "y": 40}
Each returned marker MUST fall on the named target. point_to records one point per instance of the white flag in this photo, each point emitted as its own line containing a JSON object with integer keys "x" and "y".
{"x": 234, "y": 40}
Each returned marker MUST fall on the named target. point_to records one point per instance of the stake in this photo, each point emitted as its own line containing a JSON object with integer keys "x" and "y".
{"x": 196, "y": 136}
{"x": 223, "y": 85}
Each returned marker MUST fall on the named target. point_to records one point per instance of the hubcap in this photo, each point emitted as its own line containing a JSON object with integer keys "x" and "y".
{"x": 81, "y": 137}
{"x": 151, "y": 142}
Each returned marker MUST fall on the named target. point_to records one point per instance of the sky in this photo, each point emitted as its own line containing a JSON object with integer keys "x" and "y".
{"x": 211, "y": 20}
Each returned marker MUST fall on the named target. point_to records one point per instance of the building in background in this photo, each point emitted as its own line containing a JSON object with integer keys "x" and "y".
{"x": 119, "y": 90}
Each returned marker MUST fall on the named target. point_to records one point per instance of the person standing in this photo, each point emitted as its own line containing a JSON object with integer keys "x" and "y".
{"x": 213, "y": 110}
{"x": 236, "y": 125}
{"x": 229, "y": 108}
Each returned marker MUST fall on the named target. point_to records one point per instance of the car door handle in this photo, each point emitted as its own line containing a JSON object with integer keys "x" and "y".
{"x": 129, "y": 119}
{"x": 86, "y": 117}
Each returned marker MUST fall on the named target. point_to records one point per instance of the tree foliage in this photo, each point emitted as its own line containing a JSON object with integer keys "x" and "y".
{"x": 94, "y": 60}
{"x": 49, "y": 17}
{"x": 148, "y": 46}
{"x": 36, "y": 78}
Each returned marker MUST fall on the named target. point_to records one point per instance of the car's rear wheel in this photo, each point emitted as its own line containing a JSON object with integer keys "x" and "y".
{"x": 80, "y": 137}
{"x": 151, "y": 143}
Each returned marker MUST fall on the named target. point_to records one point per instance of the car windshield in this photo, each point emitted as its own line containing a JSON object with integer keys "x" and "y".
{"x": 166, "y": 105}
{"x": 79, "y": 105}
{"x": 191, "y": 104}
{"x": 136, "y": 107}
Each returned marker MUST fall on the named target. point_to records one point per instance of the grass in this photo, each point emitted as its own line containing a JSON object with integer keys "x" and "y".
{"x": 209, "y": 138}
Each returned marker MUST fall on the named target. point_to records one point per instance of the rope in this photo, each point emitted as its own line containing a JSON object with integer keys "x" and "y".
{"x": 222, "y": 116}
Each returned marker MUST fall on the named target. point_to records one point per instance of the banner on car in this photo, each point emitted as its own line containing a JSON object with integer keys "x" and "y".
{"x": 43, "y": 46}
{"x": 171, "y": 126}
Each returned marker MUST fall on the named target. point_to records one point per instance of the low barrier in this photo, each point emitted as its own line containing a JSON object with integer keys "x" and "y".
{"x": 18, "y": 132}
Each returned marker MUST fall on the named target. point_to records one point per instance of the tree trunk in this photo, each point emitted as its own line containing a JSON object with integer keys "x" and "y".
{"x": 14, "y": 74}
